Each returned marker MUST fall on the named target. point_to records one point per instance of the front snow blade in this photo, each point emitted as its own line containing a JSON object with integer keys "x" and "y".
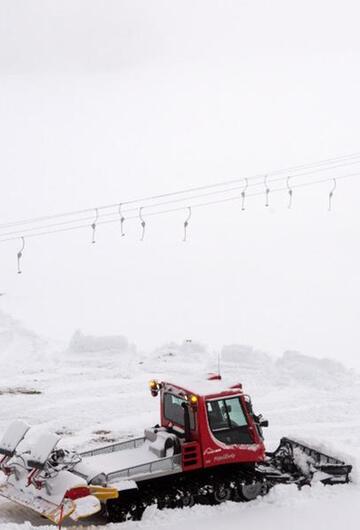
{"x": 303, "y": 464}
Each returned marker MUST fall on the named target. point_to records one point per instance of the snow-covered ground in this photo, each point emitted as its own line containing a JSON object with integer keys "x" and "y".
{"x": 95, "y": 391}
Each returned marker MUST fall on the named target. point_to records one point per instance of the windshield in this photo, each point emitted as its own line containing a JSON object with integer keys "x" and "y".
{"x": 228, "y": 421}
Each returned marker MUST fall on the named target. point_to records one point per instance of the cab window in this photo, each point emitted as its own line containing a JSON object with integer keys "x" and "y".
{"x": 228, "y": 421}
{"x": 174, "y": 411}
{"x": 236, "y": 414}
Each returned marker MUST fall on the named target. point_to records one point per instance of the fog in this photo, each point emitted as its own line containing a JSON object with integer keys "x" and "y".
{"x": 101, "y": 102}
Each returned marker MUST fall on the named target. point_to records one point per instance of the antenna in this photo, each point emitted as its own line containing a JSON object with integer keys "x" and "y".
{"x": 216, "y": 376}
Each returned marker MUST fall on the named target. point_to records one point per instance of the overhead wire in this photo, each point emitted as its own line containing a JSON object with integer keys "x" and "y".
{"x": 182, "y": 208}
{"x": 323, "y": 165}
{"x": 265, "y": 181}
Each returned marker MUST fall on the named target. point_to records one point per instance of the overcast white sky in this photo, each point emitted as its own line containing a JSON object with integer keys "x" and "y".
{"x": 105, "y": 101}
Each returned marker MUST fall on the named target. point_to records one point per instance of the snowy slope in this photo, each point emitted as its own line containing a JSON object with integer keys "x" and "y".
{"x": 19, "y": 342}
{"x": 100, "y": 395}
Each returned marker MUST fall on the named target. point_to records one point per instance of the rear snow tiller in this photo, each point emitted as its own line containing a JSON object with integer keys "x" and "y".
{"x": 207, "y": 449}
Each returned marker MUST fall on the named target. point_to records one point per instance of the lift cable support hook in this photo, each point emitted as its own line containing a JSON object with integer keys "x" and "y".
{"x": 290, "y": 192}
{"x": 267, "y": 191}
{"x": 20, "y": 254}
{"x": 243, "y": 193}
{"x": 143, "y": 224}
{"x": 122, "y": 219}
{"x": 186, "y": 223}
{"x": 331, "y": 194}
{"x": 93, "y": 226}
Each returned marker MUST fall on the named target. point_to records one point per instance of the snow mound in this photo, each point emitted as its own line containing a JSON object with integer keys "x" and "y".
{"x": 254, "y": 367}
{"x": 188, "y": 357}
{"x": 186, "y": 351}
{"x": 309, "y": 371}
{"x": 251, "y": 367}
{"x": 187, "y": 347}
{"x": 245, "y": 356}
{"x": 81, "y": 343}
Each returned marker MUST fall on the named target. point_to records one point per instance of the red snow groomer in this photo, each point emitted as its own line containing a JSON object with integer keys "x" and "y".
{"x": 207, "y": 449}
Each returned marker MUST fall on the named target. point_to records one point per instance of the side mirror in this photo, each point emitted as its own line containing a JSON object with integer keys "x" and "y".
{"x": 264, "y": 423}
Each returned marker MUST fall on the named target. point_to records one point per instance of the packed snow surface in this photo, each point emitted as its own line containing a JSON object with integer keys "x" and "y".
{"x": 95, "y": 392}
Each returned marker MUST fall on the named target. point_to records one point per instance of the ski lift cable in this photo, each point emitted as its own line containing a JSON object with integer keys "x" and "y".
{"x": 179, "y": 208}
{"x": 188, "y": 190}
{"x": 323, "y": 165}
{"x": 165, "y": 203}
{"x": 44, "y": 218}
